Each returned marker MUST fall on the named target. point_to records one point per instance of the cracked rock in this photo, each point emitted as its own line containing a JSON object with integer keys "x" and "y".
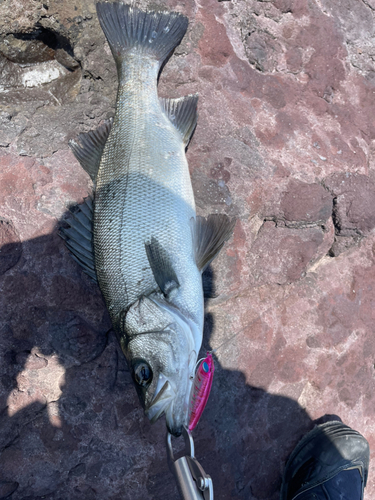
{"x": 282, "y": 255}
{"x": 353, "y": 208}
{"x": 305, "y": 204}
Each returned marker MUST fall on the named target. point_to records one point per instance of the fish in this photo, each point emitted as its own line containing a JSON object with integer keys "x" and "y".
{"x": 139, "y": 235}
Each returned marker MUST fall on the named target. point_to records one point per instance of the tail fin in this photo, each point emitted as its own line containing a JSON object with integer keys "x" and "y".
{"x": 154, "y": 33}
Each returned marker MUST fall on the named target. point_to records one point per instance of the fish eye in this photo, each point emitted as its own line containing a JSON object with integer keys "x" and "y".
{"x": 142, "y": 373}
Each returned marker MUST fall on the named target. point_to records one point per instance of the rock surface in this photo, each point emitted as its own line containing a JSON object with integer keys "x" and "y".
{"x": 285, "y": 142}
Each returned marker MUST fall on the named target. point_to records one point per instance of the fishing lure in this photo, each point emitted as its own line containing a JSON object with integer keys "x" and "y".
{"x": 201, "y": 390}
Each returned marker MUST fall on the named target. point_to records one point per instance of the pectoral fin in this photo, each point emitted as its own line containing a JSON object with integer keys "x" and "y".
{"x": 88, "y": 148}
{"x": 209, "y": 236}
{"x": 161, "y": 267}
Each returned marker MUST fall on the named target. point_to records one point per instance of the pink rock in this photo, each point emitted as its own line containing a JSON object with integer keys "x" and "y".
{"x": 286, "y": 124}
{"x": 306, "y": 204}
{"x": 282, "y": 255}
{"x": 354, "y": 203}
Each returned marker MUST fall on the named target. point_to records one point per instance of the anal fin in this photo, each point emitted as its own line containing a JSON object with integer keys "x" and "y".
{"x": 78, "y": 237}
{"x": 182, "y": 113}
{"x": 88, "y": 148}
{"x": 209, "y": 236}
{"x": 161, "y": 266}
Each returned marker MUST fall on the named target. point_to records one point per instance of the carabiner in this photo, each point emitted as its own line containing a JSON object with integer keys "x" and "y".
{"x": 192, "y": 481}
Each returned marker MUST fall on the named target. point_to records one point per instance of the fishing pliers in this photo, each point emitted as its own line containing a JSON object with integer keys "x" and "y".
{"x": 192, "y": 481}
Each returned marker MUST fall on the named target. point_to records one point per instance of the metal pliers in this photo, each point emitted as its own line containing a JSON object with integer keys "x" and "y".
{"x": 193, "y": 483}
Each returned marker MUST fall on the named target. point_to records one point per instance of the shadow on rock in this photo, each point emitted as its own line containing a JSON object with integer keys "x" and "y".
{"x": 71, "y": 424}
{"x": 243, "y": 440}
{"x": 245, "y": 437}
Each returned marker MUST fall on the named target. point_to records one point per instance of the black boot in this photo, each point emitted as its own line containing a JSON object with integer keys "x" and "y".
{"x": 329, "y": 463}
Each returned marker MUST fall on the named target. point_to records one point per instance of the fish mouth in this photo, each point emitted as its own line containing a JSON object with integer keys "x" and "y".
{"x": 163, "y": 403}
{"x": 163, "y": 398}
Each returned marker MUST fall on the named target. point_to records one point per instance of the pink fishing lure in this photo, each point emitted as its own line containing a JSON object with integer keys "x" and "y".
{"x": 201, "y": 390}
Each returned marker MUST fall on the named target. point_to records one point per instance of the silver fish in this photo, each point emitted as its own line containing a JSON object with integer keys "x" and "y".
{"x": 148, "y": 249}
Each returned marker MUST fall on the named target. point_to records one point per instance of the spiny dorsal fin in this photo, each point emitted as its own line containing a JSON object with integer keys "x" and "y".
{"x": 161, "y": 267}
{"x": 182, "y": 113}
{"x": 78, "y": 237}
{"x": 89, "y": 148}
{"x": 209, "y": 236}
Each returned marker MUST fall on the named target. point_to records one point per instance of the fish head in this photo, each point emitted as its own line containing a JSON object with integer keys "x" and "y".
{"x": 158, "y": 344}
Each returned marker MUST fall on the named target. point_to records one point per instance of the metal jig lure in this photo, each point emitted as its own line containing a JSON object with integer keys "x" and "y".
{"x": 201, "y": 390}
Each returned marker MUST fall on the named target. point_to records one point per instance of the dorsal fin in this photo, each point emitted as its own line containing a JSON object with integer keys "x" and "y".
{"x": 88, "y": 148}
{"x": 182, "y": 112}
{"x": 209, "y": 236}
{"x": 78, "y": 237}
